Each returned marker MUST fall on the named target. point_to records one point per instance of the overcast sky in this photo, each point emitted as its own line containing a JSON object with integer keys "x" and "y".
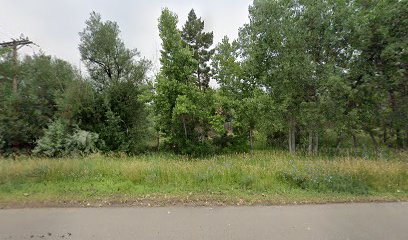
{"x": 54, "y": 25}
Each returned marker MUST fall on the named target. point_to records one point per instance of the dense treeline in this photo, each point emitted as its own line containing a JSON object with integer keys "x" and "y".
{"x": 302, "y": 74}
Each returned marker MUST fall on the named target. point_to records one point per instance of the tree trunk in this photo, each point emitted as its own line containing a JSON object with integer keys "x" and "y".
{"x": 294, "y": 139}
{"x": 185, "y": 128}
{"x": 373, "y": 140}
{"x": 339, "y": 141}
{"x": 385, "y": 135}
{"x": 292, "y": 136}
{"x": 394, "y": 107}
{"x": 400, "y": 143}
{"x": 310, "y": 148}
{"x": 354, "y": 140}
{"x": 251, "y": 140}
{"x": 158, "y": 140}
{"x": 406, "y": 138}
{"x": 290, "y": 139}
{"x": 316, "y": 143}
{"x": 313, "y": 142}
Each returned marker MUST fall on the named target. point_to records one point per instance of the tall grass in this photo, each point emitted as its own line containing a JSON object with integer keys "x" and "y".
{"x": 265, "y": 172}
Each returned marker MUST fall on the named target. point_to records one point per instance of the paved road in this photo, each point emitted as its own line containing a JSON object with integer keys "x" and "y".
{"x": 337, "y": 221}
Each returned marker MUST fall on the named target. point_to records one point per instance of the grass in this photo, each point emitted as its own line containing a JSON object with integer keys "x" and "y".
{"x": 266, "y": 177}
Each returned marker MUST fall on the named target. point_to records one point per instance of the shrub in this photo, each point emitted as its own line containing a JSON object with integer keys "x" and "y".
{"x": 199, "y": 149}
{"x": 232, "y": 144}
{"x": 54, "y": 141}
{"x": 83, "y": 142}
{"x": 58, "y": 141}
{"x": 113, "y": 135}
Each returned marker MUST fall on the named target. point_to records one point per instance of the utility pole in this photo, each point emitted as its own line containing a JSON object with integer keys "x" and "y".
{"x": 15, "y": 45}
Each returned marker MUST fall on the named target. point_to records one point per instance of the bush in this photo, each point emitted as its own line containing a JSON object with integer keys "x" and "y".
{"x": 112, "y": 133}
{"x": 276, "y": 139}
{"x": 191, "y": 148}
{"x": 58, "y": 141}
{"x": 83, "y": 142}
{"x": 232, "y": 144}
{"x": 199, "y": 149}
{"x": 54, "y": 141}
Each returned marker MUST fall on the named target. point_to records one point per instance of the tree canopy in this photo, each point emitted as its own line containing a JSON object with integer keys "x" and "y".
{"x": 302, "y": 75}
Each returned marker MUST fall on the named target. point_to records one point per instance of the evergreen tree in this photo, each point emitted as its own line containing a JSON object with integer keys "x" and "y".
{"x": 199, "y": 42}
{"x": 182, "y": 109}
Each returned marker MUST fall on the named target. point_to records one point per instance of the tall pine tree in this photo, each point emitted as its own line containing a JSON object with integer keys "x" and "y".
{"x": 200, "y": 43}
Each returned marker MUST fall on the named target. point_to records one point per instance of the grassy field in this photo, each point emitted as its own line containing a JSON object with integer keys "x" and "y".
{"x": 266, "y": 177}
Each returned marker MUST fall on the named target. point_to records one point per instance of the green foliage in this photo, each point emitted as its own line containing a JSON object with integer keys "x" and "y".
{"x": 328, "y": 74}
{"x": 232, "y": 143}
{"x": 113, "y": 104}
{"x": 177, "y": 61}
{"x": 80, "y": 103}
{"x": 182, "y": 108}
{"x": 379, "y": 72}
{"x": 239, "y": 96}
{"x": 83, "y": 142}
{"x": 324, "y": 66}
{"x": 2, "y": 143}
{"x": 199, "y": 42}
{"x": 104, "y": 53}
{"x": 112, "y": 134}
{"x": 217, "y": 123}
{"x": 26, "y": 113}
{"x": 58, "y": 141}
{"x": 54, "y": 142}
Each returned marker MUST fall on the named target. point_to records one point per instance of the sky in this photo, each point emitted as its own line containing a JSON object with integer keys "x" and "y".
{"x": 54, "y": 25}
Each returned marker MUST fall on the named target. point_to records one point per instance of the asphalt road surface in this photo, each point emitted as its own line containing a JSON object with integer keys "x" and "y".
{"x": 385, "y": 221}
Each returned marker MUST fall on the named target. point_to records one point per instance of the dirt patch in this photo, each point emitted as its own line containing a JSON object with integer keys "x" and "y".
{"x": 187, "y": 202}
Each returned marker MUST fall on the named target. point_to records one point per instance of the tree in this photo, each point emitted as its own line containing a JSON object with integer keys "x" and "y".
{"x": 26, "y": 113}
{"x": 326, "y": 34}
{"x": 199, "y": 42}
{"x": 182, "y": 110}
{"x": 238, "y": 86}
{"x": 174, "y": 78}
{"x": 175, "y": 73}
{"x": 104, "y": 53}
{"x": 298, "y": 49}
{"x": 281, "y": 61}
{"x": 379, "y": 70}
{"x": 119, "y": 80}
